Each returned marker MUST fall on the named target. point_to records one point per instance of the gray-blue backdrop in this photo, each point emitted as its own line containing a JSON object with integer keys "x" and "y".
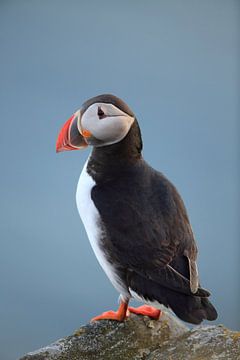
{"x": 176, "y": 63}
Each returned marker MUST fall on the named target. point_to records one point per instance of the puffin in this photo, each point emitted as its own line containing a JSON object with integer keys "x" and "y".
{"x": 134, "y": 217}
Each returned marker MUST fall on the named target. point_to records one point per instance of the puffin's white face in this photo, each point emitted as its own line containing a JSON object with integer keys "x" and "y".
{"x": 104, "y": 122}
{"x": 97, "y": 123}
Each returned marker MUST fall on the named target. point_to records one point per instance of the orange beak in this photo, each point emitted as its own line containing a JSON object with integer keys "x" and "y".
{"x": 69, "y": 137}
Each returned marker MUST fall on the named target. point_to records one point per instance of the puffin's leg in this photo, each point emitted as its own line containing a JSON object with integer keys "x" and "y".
{"x": 146, "y": 310}
{"x": 118, "y": 315}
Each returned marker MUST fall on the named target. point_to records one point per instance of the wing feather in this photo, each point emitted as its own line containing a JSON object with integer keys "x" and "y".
{"x": 148, "y": 230}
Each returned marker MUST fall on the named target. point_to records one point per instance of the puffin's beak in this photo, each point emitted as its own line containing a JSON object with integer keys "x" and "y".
{"x": 69, "y": 137}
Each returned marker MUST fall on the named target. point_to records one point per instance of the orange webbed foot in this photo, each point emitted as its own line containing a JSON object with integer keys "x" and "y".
{"x": 109, "y": 315}
{"x": 118, "y": 315}
{"x": 146, "y": 310}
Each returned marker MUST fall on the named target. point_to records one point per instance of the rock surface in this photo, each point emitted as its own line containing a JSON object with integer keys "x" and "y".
{"x": 139, "y": 338}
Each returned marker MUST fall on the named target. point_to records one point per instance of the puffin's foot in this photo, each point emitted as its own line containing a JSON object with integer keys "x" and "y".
{"x": 146, "y": 310}
{"x": 118, "y": 315}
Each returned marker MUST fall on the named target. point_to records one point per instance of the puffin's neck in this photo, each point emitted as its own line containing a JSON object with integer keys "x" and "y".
{"x": 105, "y": 162}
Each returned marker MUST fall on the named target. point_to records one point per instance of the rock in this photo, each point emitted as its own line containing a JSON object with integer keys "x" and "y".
{"x": 142, "y": 338}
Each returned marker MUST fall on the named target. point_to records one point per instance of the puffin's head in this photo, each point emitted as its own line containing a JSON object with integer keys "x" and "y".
{"x": 102, "y": 120}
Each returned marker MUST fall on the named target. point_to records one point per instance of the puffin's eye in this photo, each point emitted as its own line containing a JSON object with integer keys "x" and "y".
{"x": 101, "y": 113}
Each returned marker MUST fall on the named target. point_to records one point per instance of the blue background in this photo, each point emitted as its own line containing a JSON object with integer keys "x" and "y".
{"x": 176, "y": 63}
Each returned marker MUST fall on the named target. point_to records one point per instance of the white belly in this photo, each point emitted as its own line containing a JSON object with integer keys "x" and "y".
{"x": 91, "y": 220}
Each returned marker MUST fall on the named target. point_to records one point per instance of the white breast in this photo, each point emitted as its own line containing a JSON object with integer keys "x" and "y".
{"x": 91, "y": 220}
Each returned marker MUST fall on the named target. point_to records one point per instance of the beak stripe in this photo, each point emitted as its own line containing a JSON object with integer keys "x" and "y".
{"x": 69, "y": 137}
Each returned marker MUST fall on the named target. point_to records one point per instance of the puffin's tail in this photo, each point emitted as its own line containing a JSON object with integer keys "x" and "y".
{"x": 190, "y": 308}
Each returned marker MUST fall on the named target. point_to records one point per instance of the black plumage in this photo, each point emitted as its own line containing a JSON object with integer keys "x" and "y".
{"x": 147, "y": 235}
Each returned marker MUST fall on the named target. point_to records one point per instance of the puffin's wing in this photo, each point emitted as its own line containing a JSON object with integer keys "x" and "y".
{"x": 159, "y": 261}
{"x": 176, "y": 243}
{"x": 148, "y": 230}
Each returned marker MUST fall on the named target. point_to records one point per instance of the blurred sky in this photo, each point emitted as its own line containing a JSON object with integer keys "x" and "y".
{"x": 176, "y": 63}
